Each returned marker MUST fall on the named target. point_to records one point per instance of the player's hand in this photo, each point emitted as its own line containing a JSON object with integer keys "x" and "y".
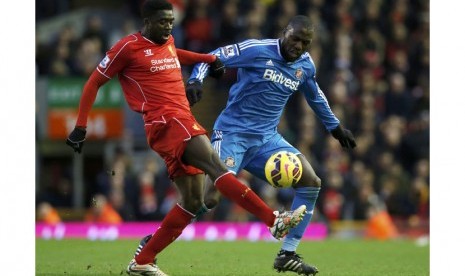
{"x": 345, "y": 137}
{"x": 217, "y": 69}
{"x": 76, "y": 139}
{"x": 193, "y": 91}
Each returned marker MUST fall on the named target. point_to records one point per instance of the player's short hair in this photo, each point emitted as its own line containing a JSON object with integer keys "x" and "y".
{"x": 300, "y": 20}
{"x": 149, "y": 7}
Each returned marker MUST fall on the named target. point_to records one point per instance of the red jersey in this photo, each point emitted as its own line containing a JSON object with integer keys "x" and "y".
{"x": 149, "y": 73}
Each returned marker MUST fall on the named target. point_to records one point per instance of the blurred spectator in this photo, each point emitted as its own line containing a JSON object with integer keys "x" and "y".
{"x": 94, "y": 30}
{"x": 128, "y": 27}
{"x": 49, "y": 8}
{"x": 416, "y": 145}
{"x": 420, "y": 197}
{"x": 254, "y": 22}
{"x": 198, "y": 26}
{"x": 398, "y": 100}
{"x": 380, "y": 224}
{"x": 117, "y": 199}
{"x": 333, "y": 198}
{"x": 148, "y": 204}
{"x": 229, "y": 24}
{"x": 46, "y": 213}
{"x": 281, "y": 12}
{"x": 101, "y": 211}
{"x": 88, "y": 55}
{"x": 395, "y": 189}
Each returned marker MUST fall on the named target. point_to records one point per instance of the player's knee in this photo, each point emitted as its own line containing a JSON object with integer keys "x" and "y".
{"x": 315, "y": 182}
{"x": 192, "y": 204}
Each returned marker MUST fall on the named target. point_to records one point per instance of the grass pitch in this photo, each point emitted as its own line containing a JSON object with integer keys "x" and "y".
{"x": 332, "y": 257}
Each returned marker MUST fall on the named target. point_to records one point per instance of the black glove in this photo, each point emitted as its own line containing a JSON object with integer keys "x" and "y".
{"x": 345, "y": 137}
{"x": 217, "y": 69}
{"x": 76, "y": 139}
{"x": 193, "y": 91}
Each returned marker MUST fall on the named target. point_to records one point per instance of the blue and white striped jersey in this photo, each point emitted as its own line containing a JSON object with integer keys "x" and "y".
{"x": 265, "y": 81}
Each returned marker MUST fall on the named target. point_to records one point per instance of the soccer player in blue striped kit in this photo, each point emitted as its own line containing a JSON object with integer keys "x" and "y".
{"x": 245, "y": 133}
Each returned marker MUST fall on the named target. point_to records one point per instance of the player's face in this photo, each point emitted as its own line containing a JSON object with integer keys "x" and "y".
{"x": 295, "y": 41}
{"x": 159, "y": 26}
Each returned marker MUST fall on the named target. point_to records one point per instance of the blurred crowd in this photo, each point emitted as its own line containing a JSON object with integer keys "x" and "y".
{"x": 372, "y": 59}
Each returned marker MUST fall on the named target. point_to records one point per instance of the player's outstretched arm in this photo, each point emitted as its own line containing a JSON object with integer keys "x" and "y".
{"x": 188, "y": 57}
{"x": 77, "y": 137}
{"x": 217, "y": 68}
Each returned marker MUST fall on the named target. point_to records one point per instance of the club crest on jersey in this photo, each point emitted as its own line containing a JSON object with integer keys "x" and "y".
{"x": 229, "y": 162}
{"x": 229, "y": 51}
{"x": 104, "y": 62}
{"x": 171, "y": 50}
{"x": 298, "y": 73}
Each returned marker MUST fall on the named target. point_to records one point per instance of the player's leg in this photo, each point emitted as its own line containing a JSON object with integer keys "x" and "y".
{"x": 231, "y": 152}
{"x": 181, "y": 215}
{"x": 212, "y": 198}
{"x": 306, "y": 193}
{"x": 200, "y": 154}
{"x": 168, "y": 139}
{"x": 191, "y": 190}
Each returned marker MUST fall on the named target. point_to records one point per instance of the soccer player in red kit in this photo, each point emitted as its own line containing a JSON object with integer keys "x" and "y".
{"x": 148, "y": 66}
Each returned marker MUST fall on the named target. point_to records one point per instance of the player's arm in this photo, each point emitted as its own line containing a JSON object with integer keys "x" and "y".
{"x": 189, "y": 58}
{"x": 232, "y": 56}
{"x": 217, "y": 68}
{"x": 89, "y": 93}
{"x": 115, "y": 59}
{"x": 318, "y": 102}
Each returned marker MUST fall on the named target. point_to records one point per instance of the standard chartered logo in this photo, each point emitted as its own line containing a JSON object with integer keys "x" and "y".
{"x": 278, "y": 77}
{"x": 163, "y": 64}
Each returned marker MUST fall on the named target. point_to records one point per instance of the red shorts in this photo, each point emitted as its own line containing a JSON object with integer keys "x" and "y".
{"x": 168, "y": 135}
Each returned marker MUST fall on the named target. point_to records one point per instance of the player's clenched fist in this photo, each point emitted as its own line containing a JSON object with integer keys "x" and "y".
{"x": 217, "y": 69}
{"x": 193, "y": 92}
{"x": 76, "y": 139}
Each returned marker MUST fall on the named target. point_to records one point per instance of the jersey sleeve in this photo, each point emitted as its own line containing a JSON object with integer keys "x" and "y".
{"x": 89, "y": 93}
{"x": 232, "y": 56}
{"x": 316, "y": 99}
{"x": 116, "y": 59}
{"x": 189, "y": 58}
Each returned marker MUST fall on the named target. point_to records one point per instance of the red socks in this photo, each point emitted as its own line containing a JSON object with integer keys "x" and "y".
{"x": 234, "y": 190}
{"x": 170, "y": 229}
{"x": 178, "y": 218}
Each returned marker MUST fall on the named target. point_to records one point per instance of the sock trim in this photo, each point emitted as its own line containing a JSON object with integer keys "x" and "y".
{"x": 228, "y": 172}
{"x": 179, "y": 205}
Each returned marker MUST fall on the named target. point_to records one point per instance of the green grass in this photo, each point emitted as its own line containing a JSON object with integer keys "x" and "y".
{"x": 332, "y": 257}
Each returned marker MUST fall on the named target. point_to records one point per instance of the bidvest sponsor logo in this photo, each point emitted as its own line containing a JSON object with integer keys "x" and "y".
{"x": 278, "y": 77}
